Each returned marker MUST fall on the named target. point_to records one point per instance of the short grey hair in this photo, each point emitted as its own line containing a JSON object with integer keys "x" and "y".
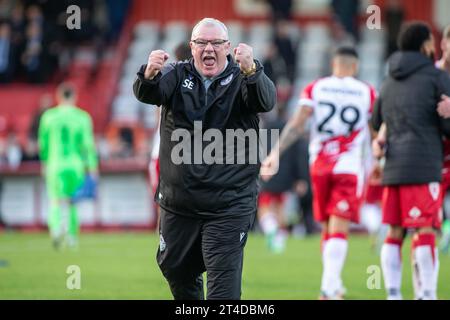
{"x": 210, "y": 22}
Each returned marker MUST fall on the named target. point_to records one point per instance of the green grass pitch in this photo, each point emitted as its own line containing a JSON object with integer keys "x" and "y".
{"x": 123, "y": 266}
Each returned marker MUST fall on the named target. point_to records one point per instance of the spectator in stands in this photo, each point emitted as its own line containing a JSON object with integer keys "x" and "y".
{"x": 30, "y": 152}
{"x": 7, "y": 53}
{"x": 34, "y": 14}
{"x": 33, "y": 56}
{"x": 126, "y": 142}
{"x": 18, "y": 24}
{"x": 395, "y": 15}
{"x": 274, "y": 65}
{"x": 6, "y": 8}
{"x": 286, "y": 48}
{"x": 346, "y": 12}
{"x": 275, "y": 68}
{"x": 281, "y": 9}
{"x": 117, "y": 11}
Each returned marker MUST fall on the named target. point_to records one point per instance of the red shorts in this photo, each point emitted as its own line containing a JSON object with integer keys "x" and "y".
{"x": 267, "y": 198}
{"x": 374, "y": 194}
{"x": 412, "y": 206}
{"x": 335, "y": 194}
{"x": 154, "y": 173}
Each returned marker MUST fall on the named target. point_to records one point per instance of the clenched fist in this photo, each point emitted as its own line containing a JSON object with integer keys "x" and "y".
{"x": 243, "y": 54}
{"x": 270, "y": 166}
{"x": 155, "y": 63}
{"x": 444, "y": 107}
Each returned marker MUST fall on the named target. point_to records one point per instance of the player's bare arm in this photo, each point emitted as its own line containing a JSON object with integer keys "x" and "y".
{"x": 294, "y": 129}
{"x": 379, "y": 142}
{"x": 291, "y": 132}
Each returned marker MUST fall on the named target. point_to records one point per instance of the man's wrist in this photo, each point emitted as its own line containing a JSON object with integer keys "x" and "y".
{"x": 251, "y": 71}
{"x": 147, "y": 75}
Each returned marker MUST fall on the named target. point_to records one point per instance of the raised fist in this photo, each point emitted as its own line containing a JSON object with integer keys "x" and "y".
{"x": 155, "y": 63}
{"x": 243, "y": 54}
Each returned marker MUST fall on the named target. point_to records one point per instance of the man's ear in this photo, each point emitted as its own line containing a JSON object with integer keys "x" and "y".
{"x": 355, "y": 68}
{"x": 228, "y": 48}
{"x": 424, "y": 48}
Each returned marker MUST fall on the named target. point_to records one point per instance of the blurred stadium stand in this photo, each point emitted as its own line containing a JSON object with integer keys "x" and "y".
{"x": 103, "y": 69}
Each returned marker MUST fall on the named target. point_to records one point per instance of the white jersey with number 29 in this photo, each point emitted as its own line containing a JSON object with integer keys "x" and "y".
{"x": 339, "y": 130}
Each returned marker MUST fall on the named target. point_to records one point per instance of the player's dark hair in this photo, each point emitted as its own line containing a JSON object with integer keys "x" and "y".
{"x": 183, "y": 52}
{"x": 413, "y": 35}
{"x": 346, "y": 51}
{"x": 66, "y": 90}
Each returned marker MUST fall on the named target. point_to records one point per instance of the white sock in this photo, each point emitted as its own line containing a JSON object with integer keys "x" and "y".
{"x": 436, "y": 271}
{"x": 281, "y": 236}
{"x": 415, "y": 277}
{"x": 323, "y": 246}
{"x": 334, "y": 254}
{"x": 269, "y": 223}
{"x": 427, "y": 270}
{"x": 391, "y": 264}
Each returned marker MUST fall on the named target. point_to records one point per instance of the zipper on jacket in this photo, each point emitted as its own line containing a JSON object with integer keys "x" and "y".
{"x": 199, "y": 77}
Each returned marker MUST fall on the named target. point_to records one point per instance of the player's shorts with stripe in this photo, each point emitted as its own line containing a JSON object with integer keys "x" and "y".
{"x": 335, "y": 195}
{"x": 412, "y": 206}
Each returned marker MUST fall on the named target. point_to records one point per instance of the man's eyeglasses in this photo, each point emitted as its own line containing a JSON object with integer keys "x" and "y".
{"x": 203, "y": 43}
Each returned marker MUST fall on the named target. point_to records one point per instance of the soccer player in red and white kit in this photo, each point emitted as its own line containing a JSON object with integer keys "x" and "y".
{"x": 413, "y": 139}
{"x": 339, "y": 107}
{"x": 444, "y": 111}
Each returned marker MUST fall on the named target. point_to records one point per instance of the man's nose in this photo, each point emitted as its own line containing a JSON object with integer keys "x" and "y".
{"x": 209, "y": 47}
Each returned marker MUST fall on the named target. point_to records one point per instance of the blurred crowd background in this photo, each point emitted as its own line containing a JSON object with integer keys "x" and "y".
{"x": 293, "y": 39}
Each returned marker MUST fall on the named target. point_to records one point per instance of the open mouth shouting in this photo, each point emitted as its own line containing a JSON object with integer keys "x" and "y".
{"x": 209, "y": 61}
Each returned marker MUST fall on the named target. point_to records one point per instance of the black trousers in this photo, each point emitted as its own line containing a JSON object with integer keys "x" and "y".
{"x": 190, "y": 246}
